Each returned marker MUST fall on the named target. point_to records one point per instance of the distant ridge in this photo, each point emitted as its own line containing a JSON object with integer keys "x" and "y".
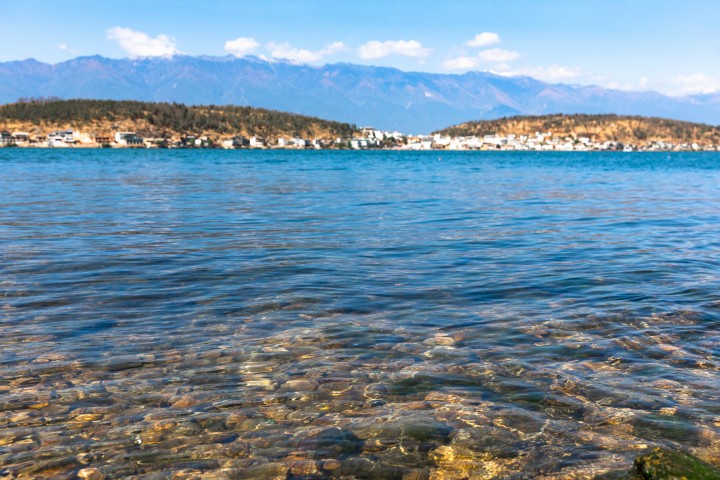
{"x": 600, "y": 128}
{"x": 385, "y": 98}
{"x": 158, "y": 119}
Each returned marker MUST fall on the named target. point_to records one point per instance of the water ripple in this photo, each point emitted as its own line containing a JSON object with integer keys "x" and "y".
{"x": 374, "y": 315}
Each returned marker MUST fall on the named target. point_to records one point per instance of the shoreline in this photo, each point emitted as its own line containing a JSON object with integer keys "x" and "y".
{"x": 377, "y": 149}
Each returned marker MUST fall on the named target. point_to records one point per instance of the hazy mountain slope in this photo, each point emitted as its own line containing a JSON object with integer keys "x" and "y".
{"x": 382, "y": 97}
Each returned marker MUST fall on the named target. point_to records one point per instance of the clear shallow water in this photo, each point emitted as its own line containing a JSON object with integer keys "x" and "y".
{"x": 367, "y": 315}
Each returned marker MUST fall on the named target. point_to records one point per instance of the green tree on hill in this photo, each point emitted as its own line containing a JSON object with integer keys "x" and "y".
{"x": 178, "y": 118}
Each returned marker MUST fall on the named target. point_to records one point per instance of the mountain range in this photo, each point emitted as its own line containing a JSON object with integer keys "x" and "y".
{"x": 386, "y": 98}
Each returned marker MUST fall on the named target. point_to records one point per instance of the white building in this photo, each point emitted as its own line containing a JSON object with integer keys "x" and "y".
{"x": 21, "y": 137}
{"x": 256, "y": 142}
{"x": 61, "y": 136}
{"x": 299, "y": 142}
{"x": 128, "y": 138}
{"x": 122, "y": 137}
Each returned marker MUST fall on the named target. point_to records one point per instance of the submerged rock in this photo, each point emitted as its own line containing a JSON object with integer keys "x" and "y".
{"x": 663, "y": 464}
{"x": 454, "y": 462}
{"x": 91, "y": 474}
{"x": 326, "y": 442}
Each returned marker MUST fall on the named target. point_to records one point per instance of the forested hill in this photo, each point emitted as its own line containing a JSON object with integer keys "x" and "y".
{"x": 601, "y": 128}
{"x": 164, "y": 119}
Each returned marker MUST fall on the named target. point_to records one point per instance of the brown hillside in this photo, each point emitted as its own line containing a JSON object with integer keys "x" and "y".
{"x": 599, "y": 128}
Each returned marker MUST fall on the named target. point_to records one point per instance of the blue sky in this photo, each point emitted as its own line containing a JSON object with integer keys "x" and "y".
{"x": 665, "y": 45}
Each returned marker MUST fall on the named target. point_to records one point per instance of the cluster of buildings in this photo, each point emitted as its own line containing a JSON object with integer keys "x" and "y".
{"x": 366, "y": 138}
{"x": 120, "y": 139}
{"x": 126, "y": 139}
{"x": 71, "y": 138}
{"x": 542, "y": 141}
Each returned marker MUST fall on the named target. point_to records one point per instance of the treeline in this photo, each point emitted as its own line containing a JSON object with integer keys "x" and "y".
{"x": 162, "y": 118}
{"x": 618, "y": 128}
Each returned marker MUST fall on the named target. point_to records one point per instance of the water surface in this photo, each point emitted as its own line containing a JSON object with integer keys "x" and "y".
{"x": 368, "y": 315}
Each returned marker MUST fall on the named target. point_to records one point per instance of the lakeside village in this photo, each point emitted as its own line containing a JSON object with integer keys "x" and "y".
{"x": 367, "y": 138}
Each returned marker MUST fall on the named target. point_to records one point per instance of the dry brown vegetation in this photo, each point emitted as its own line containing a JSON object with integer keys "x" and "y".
{"x": 599, "y": 128}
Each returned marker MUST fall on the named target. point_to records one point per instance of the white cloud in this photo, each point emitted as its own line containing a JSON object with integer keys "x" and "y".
{"x": 139, "y": 44}
{"x": 287, "y": 51}
{"x": 461, "y": 63}
{"x": 333, "y": 48}
{"x": 484, "y": 39}
{"x": 641, "y": 85}
{"x": 680, "y": 86}
{"x": 64, "y": 47}
{"x": 498, "y": 55}
{"x": 551, "y": 74}
{"x": 408, "y": 48}
{"x": 694, "y": 84}
{"x": 241, "y": 46}
{"x": 495, "y": 56}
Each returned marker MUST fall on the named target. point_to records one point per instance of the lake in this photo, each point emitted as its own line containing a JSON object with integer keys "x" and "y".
{"x": 279, "y": 314}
